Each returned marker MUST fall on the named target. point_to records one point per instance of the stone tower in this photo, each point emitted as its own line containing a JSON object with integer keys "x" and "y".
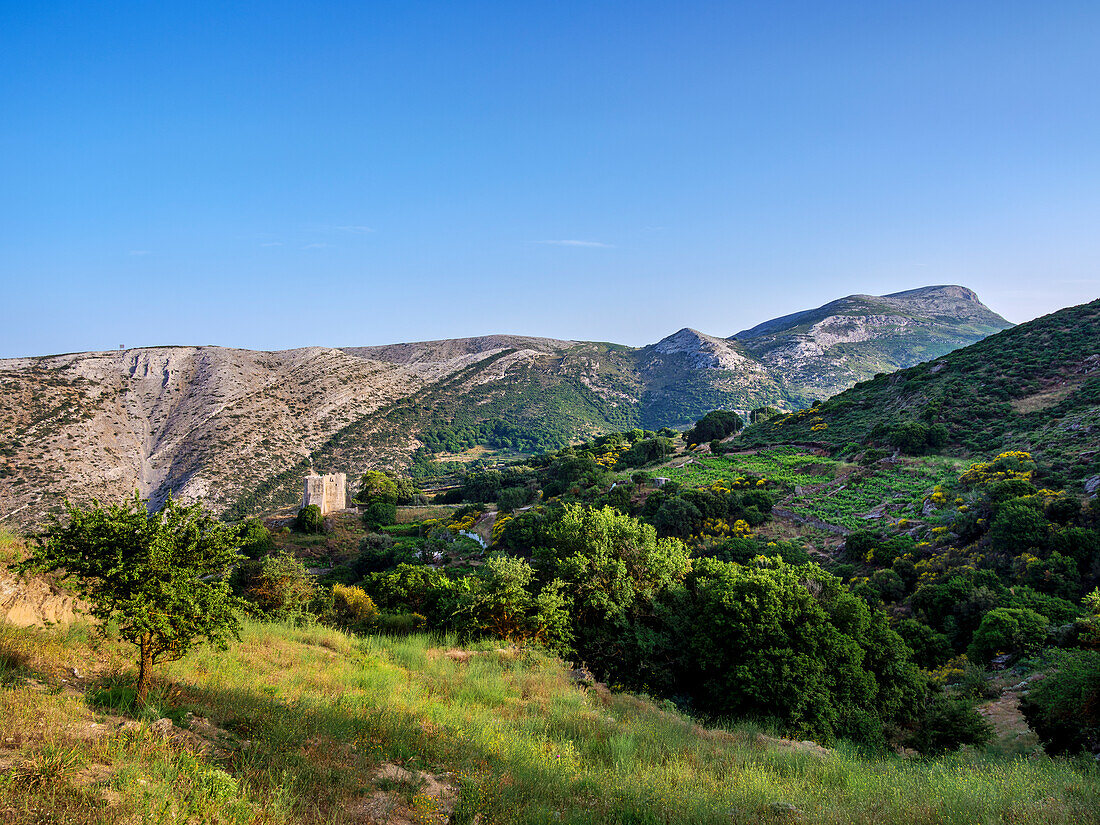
{"x": 329, "y": 492}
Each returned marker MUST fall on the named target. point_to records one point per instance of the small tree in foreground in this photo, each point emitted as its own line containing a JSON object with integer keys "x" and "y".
{"x": 162, "y": 576}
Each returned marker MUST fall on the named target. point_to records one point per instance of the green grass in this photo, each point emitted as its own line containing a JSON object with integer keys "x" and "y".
{"x": 12, "y": 546}
{"x": 320, "y": 710}
{"x": 785, "y": 466}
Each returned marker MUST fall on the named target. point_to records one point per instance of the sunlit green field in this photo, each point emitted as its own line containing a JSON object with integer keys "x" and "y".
{"x": 314, "y": 712}
{"x": 784, "y": 466}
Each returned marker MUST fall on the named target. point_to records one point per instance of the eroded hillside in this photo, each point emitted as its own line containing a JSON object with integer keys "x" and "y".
{"x": 237, "y": 427}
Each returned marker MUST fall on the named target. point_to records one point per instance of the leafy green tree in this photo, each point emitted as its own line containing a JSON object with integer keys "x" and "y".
{"x": 1056, "y": 574}
{"x": 930, "y": 649}
{"x": 1018, "y": 526}
{"x": 1008, "y": 630}
{"x": 1064, "y": 708}
{"x": 377, "y": 485}
{"x": 1091, "y": 627}
{"x": 676, "y": 517}
{"x": 407, "y": 492}
{"x": 609, "y": 560}
{"x": 890, "y": 586}
{"x": 511, "y": 498}
{"x": 645, "y": 452}
{"x": 413, "y": 587}
{"x": 500, "y": 602}
{"x": 955, "y": 605}
{"x": 160, "y": 576}
{"x": 770, "y": 640}
{"x": 377, "y": 552}
{"x": 910, "y": 437}
{"x": 714, "y": 425}
{"x": 946, "y": 723}
{"x": 309, "y": 520}
{"x": 1057, "y": 611}
{"x": 256, "y": 539}
{"x": 938, "y": 435}
{"x": 379, "y": 513}
{"x": 1082, "y": 545}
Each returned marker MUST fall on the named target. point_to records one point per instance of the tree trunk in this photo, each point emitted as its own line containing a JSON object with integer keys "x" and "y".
{"x": 146, "y": 672}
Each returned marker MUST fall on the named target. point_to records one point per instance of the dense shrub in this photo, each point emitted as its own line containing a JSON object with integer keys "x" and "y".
{"x": 377, "y": 552}
{"x": 646, "y": 452}
{"x": 352, "y": 607}
{"x": 512, "y": 498}
{"x": 309, "y": 520}
{"x": 278, "y": 585}
{"x": 930, "y": 649}
{"x": 400, "y": 624}
{"x": 256, "y": 539}
{"x": 1018, "y": 526}
{"x": 1064, "y": 707}
{"x": 379, "y": 513}
{"x": 946, "y": 723}
{"x": 714, "y": 425}
{"x": 502, "y": 601}
{"x": 791, "y": 644}
{"x": 413, "y": 588}
{"x": 1018, "y": 631}
{"x": 1057, "y": 611}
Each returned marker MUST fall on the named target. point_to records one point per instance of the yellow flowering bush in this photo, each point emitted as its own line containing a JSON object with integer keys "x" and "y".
{"x": 498, "y": 527}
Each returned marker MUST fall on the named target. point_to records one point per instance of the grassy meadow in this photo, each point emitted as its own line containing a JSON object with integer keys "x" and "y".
{"x": 308, "y": 715}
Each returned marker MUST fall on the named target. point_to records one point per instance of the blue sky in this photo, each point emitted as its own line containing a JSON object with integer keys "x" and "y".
{"x": 271, "y": 175}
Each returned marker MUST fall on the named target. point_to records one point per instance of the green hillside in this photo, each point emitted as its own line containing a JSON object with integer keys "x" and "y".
{"x": 1035, "y": 387}
{"x": 303, "y": 726}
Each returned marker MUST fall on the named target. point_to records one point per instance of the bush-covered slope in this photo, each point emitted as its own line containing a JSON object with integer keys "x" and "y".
{"x": 1035, "y": 387}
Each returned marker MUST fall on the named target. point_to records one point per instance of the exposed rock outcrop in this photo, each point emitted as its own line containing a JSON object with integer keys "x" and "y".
{"x": 34, "y": 602}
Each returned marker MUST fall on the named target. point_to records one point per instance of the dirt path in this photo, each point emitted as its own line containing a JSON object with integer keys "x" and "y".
{"x": 1010, "y": 729}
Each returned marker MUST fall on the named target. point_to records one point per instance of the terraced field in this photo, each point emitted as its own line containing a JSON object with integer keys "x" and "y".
{"x": 902, "y": 486}
{"x": 842, "y": 494}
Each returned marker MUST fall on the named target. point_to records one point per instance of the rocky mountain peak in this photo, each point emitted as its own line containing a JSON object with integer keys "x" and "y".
{"x": 705, "y": 351}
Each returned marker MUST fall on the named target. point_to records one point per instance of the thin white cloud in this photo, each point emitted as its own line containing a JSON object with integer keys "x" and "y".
{"x": 353, "y": 230}
{"x": 579, "y": 243}
{"x": 137, "y": 253}
{"x": 315, "y": 246}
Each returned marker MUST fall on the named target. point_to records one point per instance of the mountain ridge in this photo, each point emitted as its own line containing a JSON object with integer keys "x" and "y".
{"x": 237, "y": 427}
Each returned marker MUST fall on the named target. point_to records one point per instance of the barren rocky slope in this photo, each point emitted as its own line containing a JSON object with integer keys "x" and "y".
{"x": 237, "y": 427}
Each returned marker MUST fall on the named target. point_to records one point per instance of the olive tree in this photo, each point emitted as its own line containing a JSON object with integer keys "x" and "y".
{"x": 162, "y": 576}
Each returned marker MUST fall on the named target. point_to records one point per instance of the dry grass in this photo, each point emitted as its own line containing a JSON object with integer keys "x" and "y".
{"x": 1042, "y": 400}
{"x": 411, "y": 515}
